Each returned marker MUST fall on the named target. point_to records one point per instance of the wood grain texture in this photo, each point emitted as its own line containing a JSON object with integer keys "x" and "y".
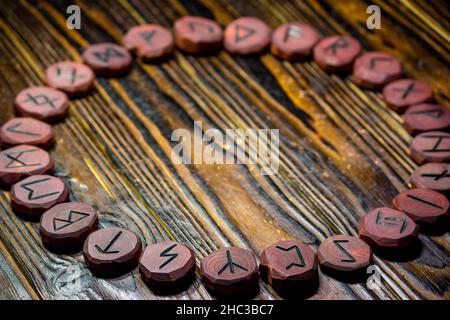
{"x": 342, "y": 151}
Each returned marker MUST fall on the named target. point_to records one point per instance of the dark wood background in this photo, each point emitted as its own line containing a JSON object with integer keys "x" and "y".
{"x": 343, "y": 152}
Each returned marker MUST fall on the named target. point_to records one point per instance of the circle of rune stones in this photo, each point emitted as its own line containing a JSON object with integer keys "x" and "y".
{"x": 287, "y": 265}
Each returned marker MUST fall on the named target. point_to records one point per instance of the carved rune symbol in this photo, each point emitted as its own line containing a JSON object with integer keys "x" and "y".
{"x": 338, "y": 245}
{"x": 339, "y": 44}
{"x": 437, "y": 176}
{"x": 201, "y": 27}
{"x": 68, "y": 73}
{"x": 424, "y": 201}
{"x": 166, "y": 253}
{"x": 373, "y": 61}
{"x": 438, "y": 142}
{"x": 15, "y": 159}
{"x": 148, "y": 36}
{"x": 107, "y": 54}
{"x": 110, "y": 244}
{"x": 73, "y": 216}
{"x": 409, "y": 89}
{"x": 299, "y": 254}
{"x": 31, "y": 195}
{"x": 230, "y": 265}
{"x": 14, "y": 127}
{"x": 391, "y": 221}
{"x": 243, "y": 33}
{"x": 40, "y": 100}
{"x": 433, "y": 113}
{"x": 292, "y": 31}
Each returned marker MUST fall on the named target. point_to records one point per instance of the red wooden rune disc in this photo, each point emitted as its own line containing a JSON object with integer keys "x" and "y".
{"x": 387, "y": 228}
{"x": 344, "y": 253}
{"x": 373, "y": 70}
{"x": 42, "y": 103}
{"x": 23, "y": 161}
{"x": 152, "y": 42}
{"x": 36, "y": 194}
{"x": 424, "y": 117}
{"x": 167, "y": 265}
{"x": 433, "y": 146}
{"x": 288, "y": 265}
{"x": 29, "y": 131}
{"x": 108, "y": 59}
{"x": 66, "y": 225}
{"x": 74, "y": 78}
{"x": 400, "y": 94}
{"x": 112, "y": 252}
{"x": 198, "y": 34}
{"x": 230, "y": 271}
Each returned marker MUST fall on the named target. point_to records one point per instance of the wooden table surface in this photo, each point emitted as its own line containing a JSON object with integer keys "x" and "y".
{"x": 342, "y": 151}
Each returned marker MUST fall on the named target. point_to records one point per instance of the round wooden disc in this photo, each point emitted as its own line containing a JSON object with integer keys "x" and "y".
{"x": 198, "y": 34}
{"x": 152, "y": 42}
{"x": 400, "y": 94}
{"x": 74, "y": 78}
{"x": 246, "y": 36}
{"x": 294, "y": 41}
{"x": 422, "y": 205}
{"x": 108, "y": 59}
{"x": 112, "y": 252}
{"x": 36, "y": 194}
{"x": 373, "y": 70}
{"x": 230, "y": 271}
{"x": 433, "y": 146}
{"x": 67, "y": 225}
{"x": 337, "y": 53}
{"x": 387, "y": 228}
{"x": 26, "y": 131}
{"x": 344, "y": 253}
{"x": 42, "y": 103}
{"x": 167, "y": 264}
{"x": 23, "y": 161}
{"x": 288, "y": 265}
